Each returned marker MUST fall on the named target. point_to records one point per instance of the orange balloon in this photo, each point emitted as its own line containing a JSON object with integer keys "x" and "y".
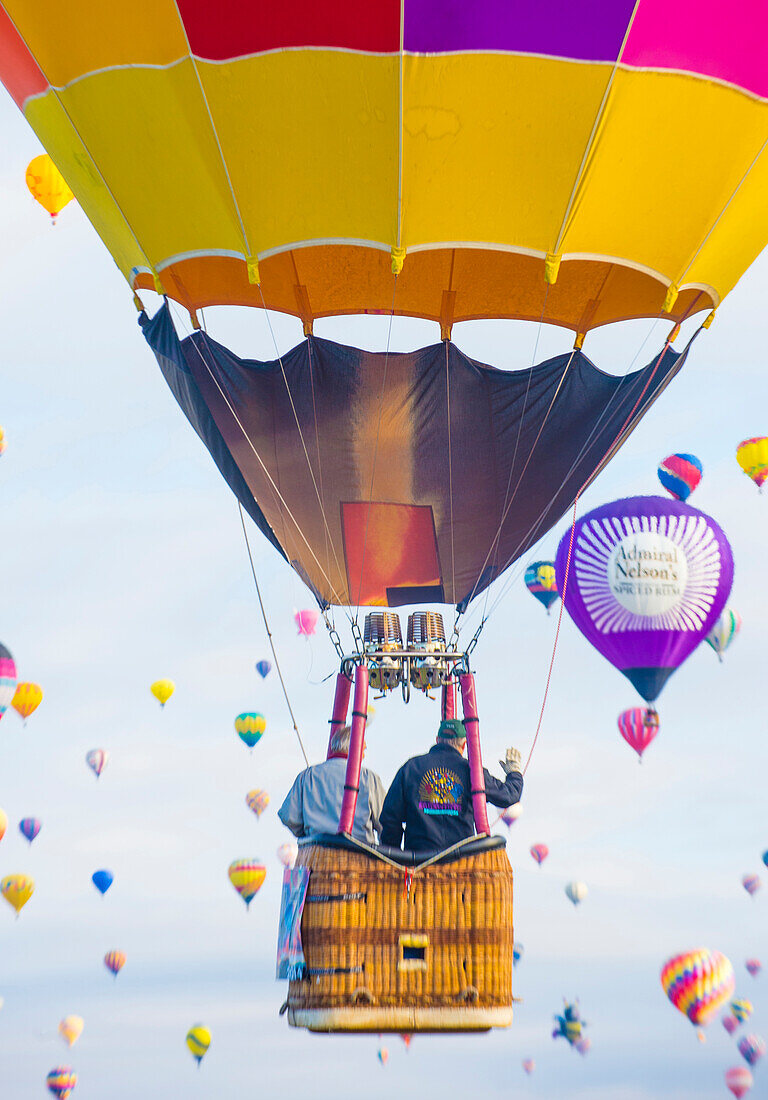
{"x": 26, "y": 699}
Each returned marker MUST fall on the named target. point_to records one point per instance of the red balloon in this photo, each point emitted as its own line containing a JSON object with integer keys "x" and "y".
{"x": 638, "y": 726}
{"x": 539, "y": 853}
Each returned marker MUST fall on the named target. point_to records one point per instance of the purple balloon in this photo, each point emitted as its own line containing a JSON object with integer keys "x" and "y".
{"x": 647, "y": 580}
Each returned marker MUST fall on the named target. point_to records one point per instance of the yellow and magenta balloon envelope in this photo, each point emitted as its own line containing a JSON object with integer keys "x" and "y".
{"x": 26, "y": 699}
{"x": 17, "y": 890}
{"x": 247, "y": 876}
{"x": 198, "y": 1041}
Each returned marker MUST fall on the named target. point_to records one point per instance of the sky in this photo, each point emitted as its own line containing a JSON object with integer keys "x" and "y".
{"x": 122, "y": 561}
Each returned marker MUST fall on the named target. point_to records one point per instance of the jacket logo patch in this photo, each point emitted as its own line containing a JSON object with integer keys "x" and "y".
{"x": 441, "y": 792}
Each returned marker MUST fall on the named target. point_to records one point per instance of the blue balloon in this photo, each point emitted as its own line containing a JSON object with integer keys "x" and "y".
{"x": 102, "y": 880}
{"x": 29, "y": 827}
{"x": 517, "y": 953}
{"x": 263, "y": 667}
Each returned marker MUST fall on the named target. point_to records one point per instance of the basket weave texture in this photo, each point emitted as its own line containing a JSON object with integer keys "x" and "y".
{"x": 369, "y": 940}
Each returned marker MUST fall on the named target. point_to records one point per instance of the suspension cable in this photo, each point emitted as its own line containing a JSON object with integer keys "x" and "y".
{"x": 269, "y": 636}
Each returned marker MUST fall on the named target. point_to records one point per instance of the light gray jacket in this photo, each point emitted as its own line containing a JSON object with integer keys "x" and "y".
{"x": 313, "y": 804}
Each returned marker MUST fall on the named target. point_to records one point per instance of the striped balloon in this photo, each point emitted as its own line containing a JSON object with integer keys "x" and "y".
{"x": 751, "y": 1048}
{"x": 17, "y": 890}
{"x": 61, "y": 1081}
{"x": 29, "y": 827}
{"x": 638, "y": 726}
{"x": 724, "y": 631}
{"x": 739, "y": 1080}
{"x": 742, "y": 1010}
{"x": 751, "y": 884}
{"x": 115, "y": 961}
{"x": 250, "y": 726}
{"x": 539, "y": 853}
{"x": 7, "y": 679}
{"x": 247, "y": 876}
{"x": 698, "y": 983}
{"x": 97, "y": 760}
{"x": 752, "y": 456}
{"x": 198, "y": 1040}
{"x": 680, "y": 474}
{"x": 541, "y": 582}
{"x": 26, "y": 699}
{"x": 257, "y": 801}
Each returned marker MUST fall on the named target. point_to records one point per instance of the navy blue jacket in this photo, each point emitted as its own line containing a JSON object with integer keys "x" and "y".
{"x": 431, "y": 796}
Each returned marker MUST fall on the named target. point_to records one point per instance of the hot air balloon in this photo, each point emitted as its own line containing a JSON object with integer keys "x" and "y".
{"x": 647, "y": 580}
{"x": 570, "y": 1024}
{"x": 26, "y": 699}
{"x": 751, "y": 1048}
{"x": 765, "y": 858}
{"x": 3, "y": 823}
{"x": 2, "y": 441}
{"x": 306, "y": 621}
{"x": 407, "y": 1038}
{"x": 7, "y": 679}
{"x": 29, "y": 827}
{"x": 541, "y": 582}
{"x": 247, "y": 876}
{"x": 742, "y": 1010}
{"x": 529, "y": 1065}
{"x": 257, "y": 801}
{"x": 17, "y": 890}
{"x": 639, "y": 726}
{"x": 730, "y": 1023}
{"x": 102, "y": 880}
{"x": 61, "y": 1081}
{"x": 752, "y": 456}
{"x": 162, "y": 690}
{"x": 288, "y": 854}
{"x": 263, "y": 668}
{"x": 383, "y": 1055}
{"x": 97, "y": 760}
{"x": 680, "y": 474}
{"x": 724, "y": 631}
{"x": 517, "y": 952}
{"x": 698, "y": 983}
{"x": 754, "y": 966}
{"x": 511, "y": 814}
{"x": 48, "y": 186}
{"x": 576, "y": 892}
{"x": 115, "y": 961}
{"x": 539, "y": 853}
{"x": 250, "y": 725}
{"x": 583, "y": 1045}
{"x": 751, "y": 884}
{"x": 71, "y": 1028}
{"x": 739, "y": 1080}
{"x": 198, "y": 1040}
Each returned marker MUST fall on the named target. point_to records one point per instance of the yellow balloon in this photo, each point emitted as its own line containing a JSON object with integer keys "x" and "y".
{"x": 198, "y": 1041}
{"x": 752, "y": 456}
{"x": 26, "y": 699}
{"x": 71, "y": 1028}
{"x": 3, "y": 823}
{"x": 48, "y": 185}
{"x": 163, "y": 690}
{"x": 17, "y": 890}
{"x": 247, "y": 876}
{"x": 2, "y": 441}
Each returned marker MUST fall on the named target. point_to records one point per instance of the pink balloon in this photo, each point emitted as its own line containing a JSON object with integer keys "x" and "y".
{"x": 754, "y": 966}
{"x": 739, "y": 1080}
{"x": 730, "y": 1023}
{"x": 638, "y": 726}
{"x": 306, "y": 621}
{"x": 529, "y": 1065}
{"x": 751, "y": 884}
{"x": 539, "y": 853}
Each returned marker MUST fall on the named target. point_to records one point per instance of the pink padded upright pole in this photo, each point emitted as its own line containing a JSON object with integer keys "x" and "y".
{"x": 356, "y": 745}
{"x": 340, "y": 707}
{"x": 477, "y": 780}
{"x": 448, "y": 708}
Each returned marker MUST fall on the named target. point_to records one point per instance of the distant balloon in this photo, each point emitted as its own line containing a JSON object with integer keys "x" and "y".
{"x": 638, "y": 726}
{"x": 647, "y": 581}
{"x": 529, "y": 1065}
{"x": 754, "y": 966}
{"x": 257, "y": 801}
{"x": 7, "y": 679}
{"x": 383, "y": 1055}
{"x": 724, "y": 631}
{"x": 115, "y": 961}
{"x": 3, "y": 823}
{"x": 71, "y": 1028}
{"x": 680, "y": 474}
{"x": 698, "y": 983}
{"x": 730, "y": 1023}
{"x": 541, "y": 582}
{"x": 739, "y": 1080}
{"x": 29, "y": 827}
{"x": 306, "y": 621}
{"x": 49, "y": 187}
{"x": 61, "y": 1081}
{"x": 751, "y": 1048}
{"x": 539, "y": 853}
{"x": 288, "y": 854}
{"x": 102, "y": 880}
{"x": 752, "y": 456}
{"x": 198, "y": 1040}
{"x": 97, "y": 760}
{"x": 751, "y": 884}
{"x": 17, "y": 890}
{"x": 517, "y": 952}
{"x": 407, "y": 1038}
{"x": 26, "y": 699}
{"x": 511, "y": 814}
{"x": 583, "y": 1045}
{"x": 263, "y": 668}
{"x": 2, "y": 441}
{"x": 250, "y": 725}
{"x": 247, "y": 876}
{"x": 742, "y": 1010}
{"x": 163, "y": 690}
{"x": 576, "y": 892}
{"x": 765, "y": 858}
{"x": 570, "y": 1024}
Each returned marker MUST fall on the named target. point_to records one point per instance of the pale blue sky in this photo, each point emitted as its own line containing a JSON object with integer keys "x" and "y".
{"x": 122, "y": 561}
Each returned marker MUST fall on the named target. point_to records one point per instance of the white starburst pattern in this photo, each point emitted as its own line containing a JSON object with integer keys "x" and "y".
{"x": 648, "y": 572}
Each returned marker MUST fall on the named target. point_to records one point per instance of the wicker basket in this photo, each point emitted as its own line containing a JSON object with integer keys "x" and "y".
{"x": 390, "y": 952}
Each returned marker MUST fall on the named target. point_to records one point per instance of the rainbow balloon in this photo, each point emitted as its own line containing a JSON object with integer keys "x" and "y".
{"x": 698, "y": 983}
{"x": 541, "y": 582}
{"x": 115, "y": 961}
{"x": 61, "y": 1081}
{"x": 742, "y": 1010}
{"x": 257, "y": 801}
{"x": 751, "y": 1048}
{"x": 247, "y": 876}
